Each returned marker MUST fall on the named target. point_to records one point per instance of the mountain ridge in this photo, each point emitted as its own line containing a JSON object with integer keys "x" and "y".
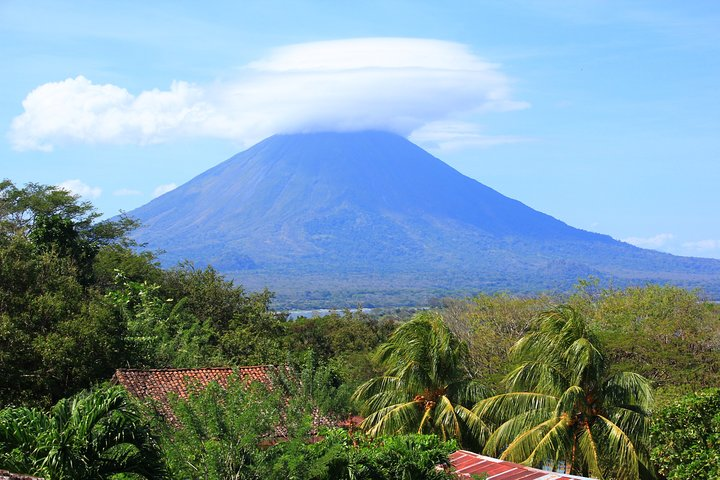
{"x": 374, "y": 203}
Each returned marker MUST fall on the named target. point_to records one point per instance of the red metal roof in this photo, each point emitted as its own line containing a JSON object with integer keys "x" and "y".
{"x": 468, "y": 463}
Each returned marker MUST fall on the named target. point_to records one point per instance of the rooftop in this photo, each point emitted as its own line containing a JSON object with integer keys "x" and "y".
{"x": 5, "y": 475}
{"x": 469, "y": 463}
{"x": 158, "y": 384}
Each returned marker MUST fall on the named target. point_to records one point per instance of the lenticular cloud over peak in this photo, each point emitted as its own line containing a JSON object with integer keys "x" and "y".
{"x": 353, "y": 54}
{"x": 393, "y": 84}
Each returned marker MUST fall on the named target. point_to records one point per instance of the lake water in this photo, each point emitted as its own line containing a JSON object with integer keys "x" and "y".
{"x": 293, "y": 314}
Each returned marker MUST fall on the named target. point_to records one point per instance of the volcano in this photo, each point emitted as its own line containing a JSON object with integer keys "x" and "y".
{"x": 335, "y": 219}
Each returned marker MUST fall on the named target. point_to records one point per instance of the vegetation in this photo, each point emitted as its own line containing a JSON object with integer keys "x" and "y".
{"x": 217, "y": 432}
{"x": 79, "y": 299}
{"x": 686, "y": 437}
{"x": 93, "y": 435}
{"x": 668, "y": 334}
{"x": 563, "y": 406}
{"x": 253, "y": 433}
{"x": 426, "y": 386}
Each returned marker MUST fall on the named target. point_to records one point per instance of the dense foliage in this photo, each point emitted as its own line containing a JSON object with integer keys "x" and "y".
{"x": 686, "y": 437}
{"x": 563, "y": 406}
{"x": 667, "y": 334}
{"x": 79, "y": 299}
{"x": 425, "y": 387}
{"x": 254, "y": 433}
{"x": 93, "y": 435}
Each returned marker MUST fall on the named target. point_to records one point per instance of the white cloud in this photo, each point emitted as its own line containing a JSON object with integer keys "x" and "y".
{"x": 396, "y": 84}
{"x": 453, "y": 135}
{"x": 656, "y": 241}
{"x": 126, "y": 192}
{"x": 76, "y": 110}
{"x": 703, "y": 245}
{"x": 162, "y": 189}
{"x": 78, "y": 187}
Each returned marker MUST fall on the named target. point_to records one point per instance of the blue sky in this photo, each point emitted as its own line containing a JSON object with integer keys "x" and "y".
{"x": 604, "y": 114}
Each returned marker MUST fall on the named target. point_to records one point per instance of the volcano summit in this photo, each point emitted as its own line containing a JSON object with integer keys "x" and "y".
{"x": 326, "y": 219}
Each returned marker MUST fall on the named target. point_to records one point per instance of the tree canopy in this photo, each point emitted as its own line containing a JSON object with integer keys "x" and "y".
{"x": 686, "y": 437}
{"x": 425, "y": 387}
{"x": 563, "y": 406}
{"x": 93, "y": 435}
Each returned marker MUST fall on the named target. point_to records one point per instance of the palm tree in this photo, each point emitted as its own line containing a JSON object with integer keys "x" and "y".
{"x": 564, "y": 406}
{"x": 426, "y": 387}
{"x": 92, "y": 435}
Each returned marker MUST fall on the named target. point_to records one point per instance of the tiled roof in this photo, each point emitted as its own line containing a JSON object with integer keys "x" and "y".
{"x": 157, "y": 384}
{"x": 5, "y": 475}
{"x": 468, "y": 463}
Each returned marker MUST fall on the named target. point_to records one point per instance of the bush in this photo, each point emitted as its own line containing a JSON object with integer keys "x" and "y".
{"x": 686, "y": 436}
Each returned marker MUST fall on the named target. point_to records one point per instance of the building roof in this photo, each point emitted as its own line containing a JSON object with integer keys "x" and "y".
{"x": 158, "y": 384}
{"x": 468, "y": 463}
{"x": 5, "y": 475}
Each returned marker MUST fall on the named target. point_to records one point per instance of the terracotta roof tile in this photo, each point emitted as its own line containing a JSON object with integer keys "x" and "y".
{"x": 468, "y": 463}
{"x": 159, "y": 384}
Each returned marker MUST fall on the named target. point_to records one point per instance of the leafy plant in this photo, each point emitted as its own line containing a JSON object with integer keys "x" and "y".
{"x": 426, "y": 386}
{"x": 93, "y": 435}
{"x": 563, "y": 406}
{"x": 343, "y": 456}
{"x": 686, "y": 437}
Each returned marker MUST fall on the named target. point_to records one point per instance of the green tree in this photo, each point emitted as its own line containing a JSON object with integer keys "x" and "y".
{"x": 563, "y": 406}
{"x": 686, "y": 437}
{"x": 666, "y": 333}
{"x": 57, "y": 330}
{"x": 93, "y": 435}
{"x": 490, "y": 325}
{"x": 55, "y": 220}
{"x": 426, "y": 387}
{"x": 344, "y": 456}
{"x": 160, "y": 332}
{"x": 57, "y": 336}
{"x": 218, "y": 431}
{"x": 245, "y": 329}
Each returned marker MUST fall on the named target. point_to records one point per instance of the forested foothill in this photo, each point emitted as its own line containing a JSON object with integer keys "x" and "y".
{"x": 613, "y": 383}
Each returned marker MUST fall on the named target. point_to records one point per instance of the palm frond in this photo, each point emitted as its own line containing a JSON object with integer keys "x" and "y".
{"x": 512, "y": 428}
{"x": 555, "y": 444}
{"x": 618, "y": 445}
{"x": 537, "y": 376}
{"x": 590, "y": 452}
{"x": 636, "y": 425}
{"x": 476, "y": 429}
{"x": 400, "y": 418}
{"x": 522, "y": 446}
{"x": 500, "y": 408}
{"x": 376, "y": 385}
{"x": 629, "y": 388}
{"x": 572, "y": 400}
{"x": 446, "y": 419}
{"x": 467, "y": 392}
{"x": 585, "y": 361}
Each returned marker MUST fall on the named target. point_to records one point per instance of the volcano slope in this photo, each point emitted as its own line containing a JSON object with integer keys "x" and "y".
{"x": 335, "y": 219}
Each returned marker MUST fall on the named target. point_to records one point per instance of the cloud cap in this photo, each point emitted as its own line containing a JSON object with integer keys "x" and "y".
{"x": 393, "y": 84}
